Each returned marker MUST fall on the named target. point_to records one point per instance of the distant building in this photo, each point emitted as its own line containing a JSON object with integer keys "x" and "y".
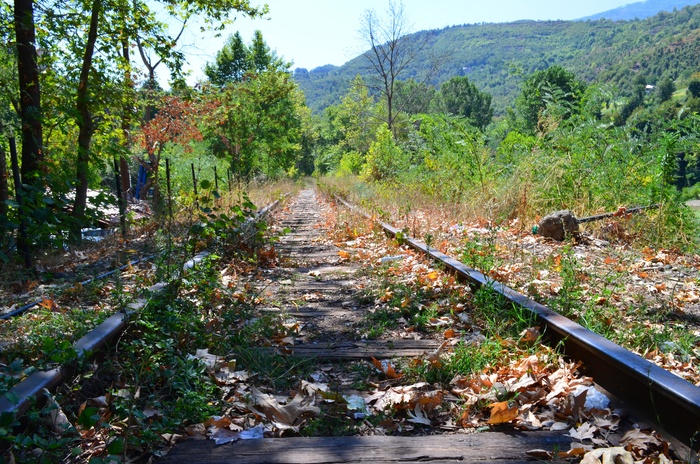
{"x": 649, "y": 88}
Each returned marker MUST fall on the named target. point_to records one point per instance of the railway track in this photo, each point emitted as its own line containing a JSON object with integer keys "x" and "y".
{"x": 668, "y": 400}
{"x": 317, "y": 290}
{"x": 33, "y": 388}
{"x": 313, "y": 288}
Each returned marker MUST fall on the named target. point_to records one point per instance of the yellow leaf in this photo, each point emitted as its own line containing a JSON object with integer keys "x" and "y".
{"x": 433, "y": 275}
{"x": 502, "y": 413}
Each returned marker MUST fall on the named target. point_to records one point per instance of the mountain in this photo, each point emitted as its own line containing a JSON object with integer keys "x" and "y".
{"x": 497, "y": 57}
{"x": 641, "y": 10}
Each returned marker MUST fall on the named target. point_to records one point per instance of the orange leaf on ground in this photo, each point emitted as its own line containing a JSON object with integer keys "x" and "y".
{"x": 48, "y": 304}
{"x": 344, "y": 254}
{"x": 450, "y": 333}
{"x": 502, "y": 413}
{"x": 433, "y": 275}
{"x": 385, "y": 367}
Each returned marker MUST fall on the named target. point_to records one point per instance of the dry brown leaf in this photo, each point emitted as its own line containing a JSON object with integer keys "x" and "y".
{"x": 530, "y": 335}
{"x": 616, "y": 455}
{"x": 502, "y": 413}
{"x": 418, "y": 416}
{"x": 288, "y": 414}
{"x": 583, "y": 432}
{"x": 639, "y": 440}
{"x": 450, "y": 333}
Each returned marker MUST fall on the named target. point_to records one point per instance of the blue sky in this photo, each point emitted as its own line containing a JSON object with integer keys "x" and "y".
{"x": 312, "y": 33}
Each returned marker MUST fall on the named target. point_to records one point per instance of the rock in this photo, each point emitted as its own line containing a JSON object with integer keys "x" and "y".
{"x": 558, "y": 225}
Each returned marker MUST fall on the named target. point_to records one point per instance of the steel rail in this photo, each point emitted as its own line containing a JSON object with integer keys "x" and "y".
{"x": 28, "y": 306}
{"x": 666, "y": 399}
{"x": 32, "y": 388}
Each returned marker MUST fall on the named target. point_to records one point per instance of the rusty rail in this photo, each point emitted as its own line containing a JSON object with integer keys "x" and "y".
{"x": 666, "y": 399}
{"x": 23, "y": 395}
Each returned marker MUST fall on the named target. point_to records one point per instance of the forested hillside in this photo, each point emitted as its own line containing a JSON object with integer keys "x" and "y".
{"x": 641, "y": 10}
{"x": 496, "y": 57}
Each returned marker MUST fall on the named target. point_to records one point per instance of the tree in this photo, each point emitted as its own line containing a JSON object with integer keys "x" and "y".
{"x": 86, "y": 125}
{"x": 256, "y": 125}
{"x": 29, "y": 91}
{"x": 414, "y": 97}
{"x": 231, "y": 62}
{"x": 261, "y": 56}
{"x": 356, "y": 118}
{"x": 665, "y": 89}
{"x": 694, "y": 88}
{"x": 555, "y": 90}
{"x": 175, "y": 123}
{"x": 462, "y": 98}
{"x": 390, "y": 52}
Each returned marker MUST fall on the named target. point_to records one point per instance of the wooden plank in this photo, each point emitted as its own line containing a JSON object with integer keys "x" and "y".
{"x": 365, "y": 349}
{"x": 488, "y": 447}
{"x": 307, "y": 312}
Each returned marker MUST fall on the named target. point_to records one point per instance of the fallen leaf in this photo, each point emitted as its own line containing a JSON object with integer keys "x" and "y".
{"x": 530, "y": 335}
{"x": 616, "y": 455}
{"x": 583, "y": 432}
{"x": 49, "y": 304}
{"x": 386, "y": 368}
{"x": 418, "y": 416}
{"x": 502, "y": 413}
{"x": 288, "y": 414}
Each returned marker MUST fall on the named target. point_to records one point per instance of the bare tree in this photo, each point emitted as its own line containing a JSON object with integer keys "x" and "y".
{"x": 392, "y": 49}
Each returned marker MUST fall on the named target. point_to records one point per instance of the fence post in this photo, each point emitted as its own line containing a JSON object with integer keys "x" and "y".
{"x": 120, "y": 198}
{"x": 194, "y": 183}
{"x": 170, "y": 197}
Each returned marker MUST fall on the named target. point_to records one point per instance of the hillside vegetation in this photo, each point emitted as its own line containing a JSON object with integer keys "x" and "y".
{"x": 497, "y": 57}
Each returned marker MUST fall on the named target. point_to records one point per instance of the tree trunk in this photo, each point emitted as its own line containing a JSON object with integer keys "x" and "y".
{"x": 30, "y": 95}
{"x": 4, "y": 194}
{"x": 85, "y": 126}
{"x": 126, "y": 125}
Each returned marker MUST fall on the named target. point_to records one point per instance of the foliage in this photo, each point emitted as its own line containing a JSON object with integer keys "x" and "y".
{"x": 356, "y": 118}
{"x": 236, "y": 59}
{"x": 454, "y": 157}
{"x": 694, "y": 88}
{"x": 384, "y": 158}
{"x": 231, "y": 62}
{"x": 256, "y": 125}
{"x": 553, "y": 92}
{"x": 461, "y": 98}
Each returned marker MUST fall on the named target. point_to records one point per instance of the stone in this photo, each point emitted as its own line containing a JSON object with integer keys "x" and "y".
{"x": 558, "y": 225}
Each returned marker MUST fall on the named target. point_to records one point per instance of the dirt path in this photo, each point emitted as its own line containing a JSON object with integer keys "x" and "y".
{"x": 319, "y": 292}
